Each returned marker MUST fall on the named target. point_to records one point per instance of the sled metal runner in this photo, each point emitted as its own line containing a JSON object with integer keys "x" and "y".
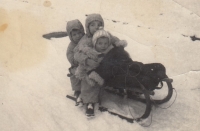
{"x": 147, "y": 100}
{"x": 157, "y": 101}
{"x": 134, "y": 79}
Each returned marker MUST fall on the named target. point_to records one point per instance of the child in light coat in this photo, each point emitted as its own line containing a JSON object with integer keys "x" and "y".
{"x": 75, "y": 32}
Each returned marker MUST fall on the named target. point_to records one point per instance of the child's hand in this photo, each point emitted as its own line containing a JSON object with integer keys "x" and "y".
{"x": 92, "y": 63}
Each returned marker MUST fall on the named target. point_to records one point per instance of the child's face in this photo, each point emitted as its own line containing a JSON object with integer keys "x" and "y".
{"x": 76, "y": 35}
{"x": 94, "y": 26}
{"x": 102, "y": 44}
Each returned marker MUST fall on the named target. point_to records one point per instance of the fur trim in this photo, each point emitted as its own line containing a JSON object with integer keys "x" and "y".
{"x": 93, "y": 54}
{"x": 86, "y": 49}
{"x": 121, "y": 43}
{"x": 80, "y": 73}
{"x": 90, "y": 52}
{"x": 96, "y": 77}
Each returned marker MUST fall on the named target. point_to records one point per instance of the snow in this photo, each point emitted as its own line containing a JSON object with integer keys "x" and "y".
{"x": 33, "y": 70}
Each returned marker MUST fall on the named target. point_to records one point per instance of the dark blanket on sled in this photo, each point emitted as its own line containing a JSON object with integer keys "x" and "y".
{"x": 120, "y": 71}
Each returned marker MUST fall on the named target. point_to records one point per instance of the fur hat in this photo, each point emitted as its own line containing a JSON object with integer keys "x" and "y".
{"x": 90, "y": 18}
{"x": 100, "y": 33}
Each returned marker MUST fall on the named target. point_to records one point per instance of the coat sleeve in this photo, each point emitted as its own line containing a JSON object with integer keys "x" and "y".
{"x": 117, "y": 42}
{"x": 85, "y": 50}
{"x": 80, "y": 52}
{"x": 113, "y": 39}
{"x": 70, "y": 55}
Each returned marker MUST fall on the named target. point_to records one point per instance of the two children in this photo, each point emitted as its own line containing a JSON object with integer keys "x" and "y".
{"x": 84, "y": 51}
{"x": 89, "y": 51}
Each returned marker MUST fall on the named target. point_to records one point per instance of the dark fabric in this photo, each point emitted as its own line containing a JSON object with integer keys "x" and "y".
{"x": 120, "y": 71}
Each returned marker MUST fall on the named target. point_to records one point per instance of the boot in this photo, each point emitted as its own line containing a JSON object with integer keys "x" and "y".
{"x": 78, "y": 99}
{"x": 90, "y": 109}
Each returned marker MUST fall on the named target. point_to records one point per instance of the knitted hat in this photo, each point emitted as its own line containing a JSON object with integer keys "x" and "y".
{"x": 100, "y": 33}
{"x": 90, "y": 18}
{"x": 74, "y": 24}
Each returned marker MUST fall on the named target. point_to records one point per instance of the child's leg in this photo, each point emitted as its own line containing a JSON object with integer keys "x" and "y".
{"x": 90, "y": 96}
{"x": 75, "y": 83}
{"x": 89, "y": 93}
{"x": 76, "y": 86}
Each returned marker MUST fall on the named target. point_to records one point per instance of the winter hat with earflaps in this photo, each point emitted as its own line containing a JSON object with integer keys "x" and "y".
{"x": 100, "y": 33}
{"x": 74, "y": 24}
{"x": 90, "y": 18}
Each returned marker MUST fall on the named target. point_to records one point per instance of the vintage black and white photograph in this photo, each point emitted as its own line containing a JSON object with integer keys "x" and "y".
{"x": 99, "y": 65}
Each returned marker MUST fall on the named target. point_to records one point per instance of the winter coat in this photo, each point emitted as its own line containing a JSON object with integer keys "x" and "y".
{"x": 70, "y": 54}
{"x": 74, "y": 24}
{"x": 120, "y": 71}
{"x": 83, "y": 68}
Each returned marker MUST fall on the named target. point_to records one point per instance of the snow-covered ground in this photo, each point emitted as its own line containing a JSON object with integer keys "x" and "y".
{"x": 33, "y": 81}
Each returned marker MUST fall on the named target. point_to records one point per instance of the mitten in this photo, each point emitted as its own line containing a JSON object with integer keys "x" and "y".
{"x": 96, "y": 77}
{"x": 90, "y": 81}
